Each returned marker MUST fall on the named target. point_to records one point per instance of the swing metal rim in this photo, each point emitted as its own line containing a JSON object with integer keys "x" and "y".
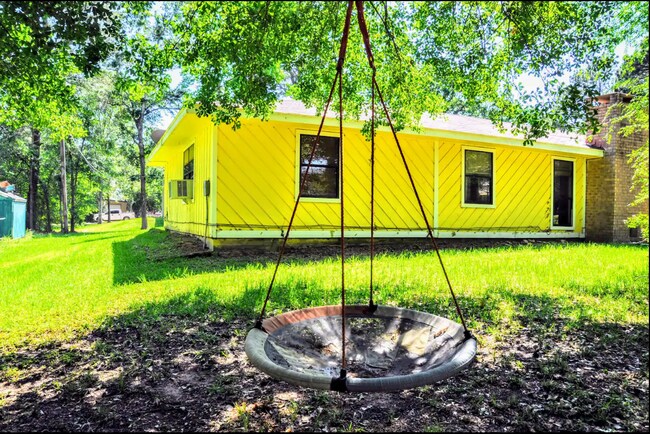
{"x": 256, "y": 341}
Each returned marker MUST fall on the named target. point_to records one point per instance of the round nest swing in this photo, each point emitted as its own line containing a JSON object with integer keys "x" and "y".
{"x": 389, "y": 349}
{"x": 359, "y": 348}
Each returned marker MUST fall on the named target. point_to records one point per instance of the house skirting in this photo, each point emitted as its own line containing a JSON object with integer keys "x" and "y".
{"x": 250, "y": 234}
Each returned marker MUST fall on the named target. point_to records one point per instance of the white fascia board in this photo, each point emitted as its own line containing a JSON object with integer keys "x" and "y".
{"x": 456, "y": 135}
{"x": 172, "y": 126}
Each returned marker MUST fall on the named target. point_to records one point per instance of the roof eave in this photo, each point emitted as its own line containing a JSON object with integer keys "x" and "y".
{"x": 426, "y": 131}
{"x": 448, "y": 134}
{"x": 172, "y": 126}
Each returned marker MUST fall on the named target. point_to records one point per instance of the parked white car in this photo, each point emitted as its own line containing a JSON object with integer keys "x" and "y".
{"x": 116, "y": 214}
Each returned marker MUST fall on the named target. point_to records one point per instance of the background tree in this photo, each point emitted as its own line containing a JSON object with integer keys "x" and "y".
{"x": 99, "y": 155}
{"x": 143, "y": 83}
{"x": 48, "y": 92}
{"x": 44, "y": 43}
{"x": 15, "y": 161}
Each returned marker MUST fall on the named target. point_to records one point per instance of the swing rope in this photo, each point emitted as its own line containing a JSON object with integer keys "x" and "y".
{"x": 371, "y": 303}
{"x": 339, "y": 69}
{"x": 340, "y": 382}
{"x": 366, "y": 41}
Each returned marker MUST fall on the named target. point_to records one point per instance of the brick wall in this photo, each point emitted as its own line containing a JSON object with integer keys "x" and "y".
{"x": 609, "y": 179}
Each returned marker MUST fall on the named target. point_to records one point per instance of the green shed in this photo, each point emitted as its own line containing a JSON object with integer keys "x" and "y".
{"x": 13, "y": 213}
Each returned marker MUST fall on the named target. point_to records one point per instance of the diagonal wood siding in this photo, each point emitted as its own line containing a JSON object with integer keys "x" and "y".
{"x": 253, "y": 171}
{"x": 257, "y": 174}
{"x": 523, "y": 182}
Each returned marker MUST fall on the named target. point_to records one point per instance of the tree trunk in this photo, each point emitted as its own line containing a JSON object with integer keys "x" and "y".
{"x": 34, "y": 175}
{"x": 143, "y": 179}
{"x": 64, "y": 191}
{"x": 74, "y": 171}
{"x": 108, "y": 203}
{"x": 100, "y": 216}
{"x": 48, "y": 207}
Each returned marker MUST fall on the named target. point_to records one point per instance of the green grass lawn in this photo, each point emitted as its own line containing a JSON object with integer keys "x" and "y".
{"x": 55, "y": 287}
{"x": 113, "y": 329}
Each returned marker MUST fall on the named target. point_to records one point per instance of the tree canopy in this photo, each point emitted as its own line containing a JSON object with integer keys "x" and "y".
{"x": 44, "y": 43}
{"x": 433, "y": 56}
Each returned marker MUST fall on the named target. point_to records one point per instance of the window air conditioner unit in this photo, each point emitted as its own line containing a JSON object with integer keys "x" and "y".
{"x": 181, "y": 189}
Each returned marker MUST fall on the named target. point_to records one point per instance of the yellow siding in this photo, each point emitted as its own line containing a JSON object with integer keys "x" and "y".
{"x": 580, "y": 199}
{"x": 522, "y": 191}
{"x": 257, "y": 171}
{"x": 189, "y": 216}
{"x": 254, "y": 170}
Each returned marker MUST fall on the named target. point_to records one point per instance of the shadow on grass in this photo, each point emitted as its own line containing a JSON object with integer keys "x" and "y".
{"x": 98, "y": 236}
{"x": 180, "y": 365}
{"x": 158, "y": 254}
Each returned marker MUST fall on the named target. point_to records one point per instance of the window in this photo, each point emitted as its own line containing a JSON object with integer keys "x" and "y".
{"x": 479, "y": 189}
{"x": 188, "y": 163}
{"x": 562, "y": 193}
{"x": 323, "y": 179}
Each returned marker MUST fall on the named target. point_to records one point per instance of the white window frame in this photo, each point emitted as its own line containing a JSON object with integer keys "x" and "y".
{"x": 297, "y": 182}
{"x": 463, "y": 204}
{"x": 192, "y": 143}
{"x": 573, "y": 193}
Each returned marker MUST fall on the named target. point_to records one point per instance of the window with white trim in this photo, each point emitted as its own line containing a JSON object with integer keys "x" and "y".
{"x": 323, "y": 179}
{"x": 188, "y": 163}
{"x": 479, "y": 177}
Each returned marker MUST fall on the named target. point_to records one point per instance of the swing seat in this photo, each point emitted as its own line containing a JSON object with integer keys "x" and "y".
{"x": 387, "y": 350}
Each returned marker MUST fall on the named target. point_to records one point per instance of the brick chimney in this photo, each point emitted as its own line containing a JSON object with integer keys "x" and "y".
{"x": 609, "y": 179}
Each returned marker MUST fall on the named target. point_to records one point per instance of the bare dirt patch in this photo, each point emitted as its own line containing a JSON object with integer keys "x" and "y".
{"x": 176, "y": 373}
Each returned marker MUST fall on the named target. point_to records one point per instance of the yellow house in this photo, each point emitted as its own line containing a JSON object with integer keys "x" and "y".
{"x": 474, "y": 181}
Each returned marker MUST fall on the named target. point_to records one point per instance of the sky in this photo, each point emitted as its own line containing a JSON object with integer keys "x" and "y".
{"x": 166, "y": 118}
